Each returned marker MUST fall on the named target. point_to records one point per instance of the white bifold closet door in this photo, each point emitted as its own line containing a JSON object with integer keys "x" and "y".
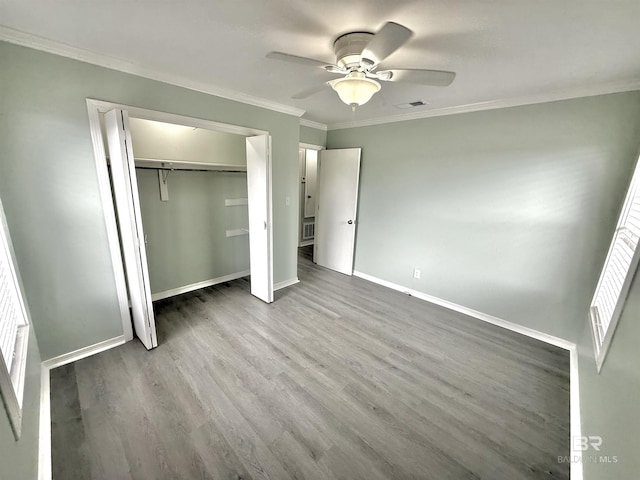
{"x": 260, "y": 228}
{"x": 336, "y": 207}
{"x": 125, "y": 189}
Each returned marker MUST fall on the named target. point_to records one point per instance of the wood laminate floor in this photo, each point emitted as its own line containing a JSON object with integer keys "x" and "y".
{"x": 338, "y": 379}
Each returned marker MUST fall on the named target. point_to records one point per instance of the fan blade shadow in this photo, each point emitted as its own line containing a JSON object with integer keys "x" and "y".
{"x": 286, "y": 57}
{"x": 435, "y": 78}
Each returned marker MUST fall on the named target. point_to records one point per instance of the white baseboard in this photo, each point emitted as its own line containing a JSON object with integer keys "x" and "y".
{"x": 286, "y": 283}
{"x": 576, "y": 429}
{"x": 44, "y": 441}
{"x": 529, "y": 332}
{"x": 83, "y": 352}
{"x": 196, "y": 286}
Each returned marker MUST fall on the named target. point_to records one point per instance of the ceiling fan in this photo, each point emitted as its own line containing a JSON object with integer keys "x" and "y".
{"x": 358, "y": 56}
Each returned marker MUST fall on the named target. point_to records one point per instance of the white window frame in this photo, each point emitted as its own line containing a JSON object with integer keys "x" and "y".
{"x": 603, "y": 334}
{"x": 12, "y": 376}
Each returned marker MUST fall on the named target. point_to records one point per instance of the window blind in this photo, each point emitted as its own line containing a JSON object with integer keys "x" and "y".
{"x": 10, "y": 318}
{"x": 14, "y": 332}
{"x": 618, "y": 269}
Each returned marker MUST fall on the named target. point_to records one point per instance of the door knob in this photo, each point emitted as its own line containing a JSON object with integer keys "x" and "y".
{"x": 350, "y": 222}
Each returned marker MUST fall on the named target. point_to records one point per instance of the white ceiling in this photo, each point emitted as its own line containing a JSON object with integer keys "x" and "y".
{"x": 504, "y": 51}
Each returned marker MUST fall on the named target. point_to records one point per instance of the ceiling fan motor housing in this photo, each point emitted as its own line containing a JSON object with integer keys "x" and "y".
{"x": 348, "y": 49}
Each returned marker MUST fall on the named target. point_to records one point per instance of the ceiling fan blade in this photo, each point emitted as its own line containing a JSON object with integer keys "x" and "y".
{"x": 306, "y": 93}
{"x": 436, "y": 78}
{"x": 388, "y": 39}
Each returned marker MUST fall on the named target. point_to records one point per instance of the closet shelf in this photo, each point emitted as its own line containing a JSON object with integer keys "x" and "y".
{"x": 233, "y": 202}
{"x": 159, "y": 164}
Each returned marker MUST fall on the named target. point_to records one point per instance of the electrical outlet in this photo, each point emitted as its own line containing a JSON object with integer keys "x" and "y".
{"x": 416, "y": 273}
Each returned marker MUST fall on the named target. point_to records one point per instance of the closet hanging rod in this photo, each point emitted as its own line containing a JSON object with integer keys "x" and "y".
{"x": 159, "y": 164}
{"x": 166, "y": 169}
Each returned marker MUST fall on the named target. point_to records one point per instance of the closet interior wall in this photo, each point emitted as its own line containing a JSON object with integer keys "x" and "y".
{"x": 197, "y": 234}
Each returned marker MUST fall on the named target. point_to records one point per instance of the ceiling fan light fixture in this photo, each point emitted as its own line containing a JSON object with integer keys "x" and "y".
{"x": 355, "y": 89}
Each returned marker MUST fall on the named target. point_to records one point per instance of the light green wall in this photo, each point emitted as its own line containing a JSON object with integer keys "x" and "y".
{"x": 609, "y": 400}
{"x": 186, "y": 236}
{"x": 509, "y": 212}
{"x": 19, "y": 459}
{"x": 49, "y": 186}
{"x": 314, "y": 136}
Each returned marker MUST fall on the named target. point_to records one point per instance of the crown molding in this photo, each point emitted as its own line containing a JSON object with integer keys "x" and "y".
{"x": 39, "y": 43}
{"x": 310, "y": 123}
{"x": 495, "y": 104}
{"x": 50, "y": 46}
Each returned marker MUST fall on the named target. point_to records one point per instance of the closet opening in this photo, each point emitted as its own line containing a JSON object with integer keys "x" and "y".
{"x": 182, "y": 197}
{"x": 192, "y": 186}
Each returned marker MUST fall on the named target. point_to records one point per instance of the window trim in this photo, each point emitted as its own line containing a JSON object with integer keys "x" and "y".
{"x": 12, "y": 377}
{"x": 601, "y": 350}
{"x": 601, "y": 346}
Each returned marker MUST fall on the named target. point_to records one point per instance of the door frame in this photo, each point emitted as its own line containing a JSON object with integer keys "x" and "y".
{"x": 301, "y": 192}
{"x": 95, "y": 108}
{"x": 127, "y": 202}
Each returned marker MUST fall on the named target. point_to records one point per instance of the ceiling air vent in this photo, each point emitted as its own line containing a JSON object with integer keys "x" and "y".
{"x": 417, "y": 103}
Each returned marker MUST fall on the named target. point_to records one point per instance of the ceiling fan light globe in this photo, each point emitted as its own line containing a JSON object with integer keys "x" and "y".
{"x": 355, "y": 89}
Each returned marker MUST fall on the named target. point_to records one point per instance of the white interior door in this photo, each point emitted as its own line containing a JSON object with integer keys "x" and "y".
{"x": 125, "y": 189}
{"x": 336, "y": 206}
{"x": 260, "y": 231}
